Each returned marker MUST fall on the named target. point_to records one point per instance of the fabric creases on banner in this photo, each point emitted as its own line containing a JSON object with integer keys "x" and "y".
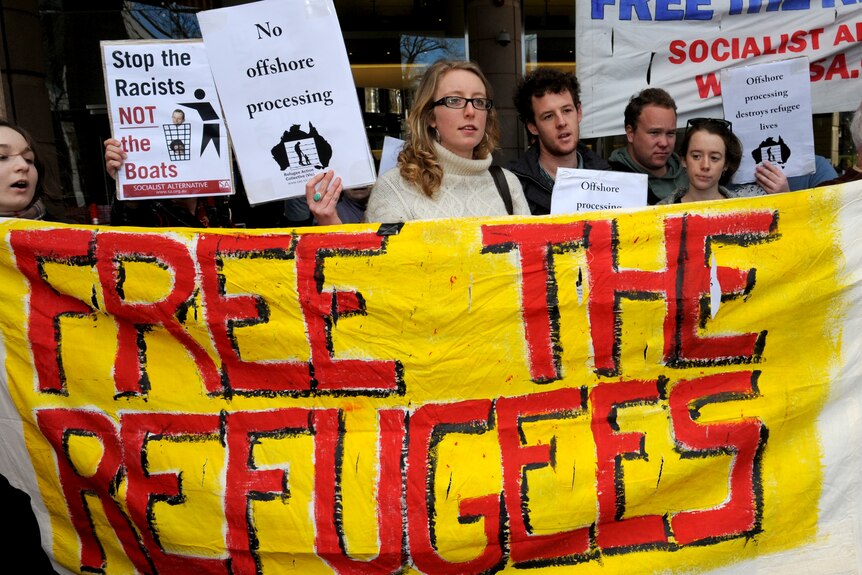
{"x": 659, "y": 390}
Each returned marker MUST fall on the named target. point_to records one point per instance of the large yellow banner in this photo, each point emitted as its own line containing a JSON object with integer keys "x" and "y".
{"x": 624, "y": 392}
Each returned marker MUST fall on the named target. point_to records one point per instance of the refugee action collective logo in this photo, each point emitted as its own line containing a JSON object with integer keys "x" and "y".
{"x": 297, "y": 149}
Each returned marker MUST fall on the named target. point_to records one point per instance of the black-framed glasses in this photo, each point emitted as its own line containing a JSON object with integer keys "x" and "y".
{"x": 698, "y": 122}
{"x": 459, "y": 103}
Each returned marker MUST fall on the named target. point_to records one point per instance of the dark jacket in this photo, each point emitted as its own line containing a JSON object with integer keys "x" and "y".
{"x": 538, "y": 194}
{"x": 212, "y": 212}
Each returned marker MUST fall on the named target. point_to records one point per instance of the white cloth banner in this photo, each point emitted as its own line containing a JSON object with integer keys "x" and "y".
{"x": 624, "y": 47}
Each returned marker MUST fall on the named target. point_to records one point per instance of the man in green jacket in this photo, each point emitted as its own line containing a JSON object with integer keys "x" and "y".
{"x": 650, "y": 122}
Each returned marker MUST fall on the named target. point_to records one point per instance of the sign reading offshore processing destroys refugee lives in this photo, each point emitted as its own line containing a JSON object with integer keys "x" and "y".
{"x": 770, "y": 107}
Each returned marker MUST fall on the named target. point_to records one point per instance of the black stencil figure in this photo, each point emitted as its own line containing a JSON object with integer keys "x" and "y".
{"x": 324, "y": 149}
{"x": 303, "y": 158}
{"x": 771, "y": 146}
{"x": 207, "y": 112}
{"x": 320, "y": 155}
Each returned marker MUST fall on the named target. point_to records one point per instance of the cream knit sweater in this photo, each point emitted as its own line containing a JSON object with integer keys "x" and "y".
{"x": 467, "y": 190}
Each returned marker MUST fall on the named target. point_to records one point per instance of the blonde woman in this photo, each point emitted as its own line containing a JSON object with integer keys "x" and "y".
{"x": 442, "y": 170}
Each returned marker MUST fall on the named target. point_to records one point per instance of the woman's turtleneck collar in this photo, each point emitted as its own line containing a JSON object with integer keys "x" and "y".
{"x": 455, "y": 165}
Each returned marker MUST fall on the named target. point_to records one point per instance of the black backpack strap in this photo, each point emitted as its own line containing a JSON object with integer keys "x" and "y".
{"x": 502, "y": 187}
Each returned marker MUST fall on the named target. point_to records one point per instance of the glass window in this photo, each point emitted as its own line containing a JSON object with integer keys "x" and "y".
{"x": 389, "y": 45}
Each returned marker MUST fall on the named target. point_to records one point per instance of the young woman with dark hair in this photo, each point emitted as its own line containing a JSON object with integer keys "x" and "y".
{"x": 710, "y": 153}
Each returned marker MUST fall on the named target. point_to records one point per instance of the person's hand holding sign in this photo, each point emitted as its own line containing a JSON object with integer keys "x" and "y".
{"x": 322, "y": 192}
{"x": 771, "y": 178}
{"x": 114, "y": 156}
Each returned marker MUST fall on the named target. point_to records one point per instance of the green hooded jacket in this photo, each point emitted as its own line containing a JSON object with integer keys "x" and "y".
{"x": 660, "y": 187}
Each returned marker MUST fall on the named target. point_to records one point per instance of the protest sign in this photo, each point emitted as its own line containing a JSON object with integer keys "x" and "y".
{"x": 770, "y": 108}
{"x": 288, "y": 95}
{"x": 389, "y": 156}
{"x": 577, "y": 190}
{"x": 624, "y": 47}
{"x": 165, "y": 112}
{"x": 666, "y": 390}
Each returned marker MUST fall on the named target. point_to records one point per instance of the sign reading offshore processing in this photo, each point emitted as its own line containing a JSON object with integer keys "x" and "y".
{"x": 578, "y": 190}
{"x": 285, "y": 83}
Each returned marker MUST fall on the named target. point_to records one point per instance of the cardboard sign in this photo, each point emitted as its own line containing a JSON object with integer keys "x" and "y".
{"x": 288, "y": 94}
{"x": 577, "y": 190}
{"x": 165, "y": 112}
{"x": 389, "y": 156}
{"x": 770, "y": 108}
